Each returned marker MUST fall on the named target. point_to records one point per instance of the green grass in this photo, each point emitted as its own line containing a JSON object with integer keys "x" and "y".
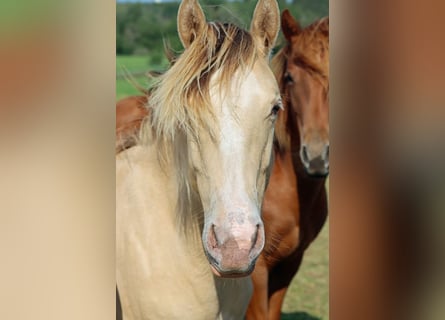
{"x": 132, "y": 64}
{"x": 137, "y": 65}
{"x": 124, "y": 88}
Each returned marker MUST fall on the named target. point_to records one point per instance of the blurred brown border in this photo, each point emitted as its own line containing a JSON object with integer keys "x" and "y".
{"x": 386, "y": 185}
{"x": 57, "y": 185}
{"x": 387, "y": 175}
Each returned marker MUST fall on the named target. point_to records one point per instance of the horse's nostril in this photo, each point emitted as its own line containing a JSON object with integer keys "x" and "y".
{"x": 255, "y": 235}
{"x": 258, "y": 237}
{"x": 304, "y": 154}
{"x": 213, "y": 240}
{"x": 326, "y": 152}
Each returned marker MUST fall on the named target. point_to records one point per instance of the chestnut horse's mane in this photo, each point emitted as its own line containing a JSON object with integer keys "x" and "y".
{"x": 310, "y": 52}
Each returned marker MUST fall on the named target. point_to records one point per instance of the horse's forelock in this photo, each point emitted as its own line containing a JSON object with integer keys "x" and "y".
{"x": 180, "y": 99}
{"x": 312, "y": 49}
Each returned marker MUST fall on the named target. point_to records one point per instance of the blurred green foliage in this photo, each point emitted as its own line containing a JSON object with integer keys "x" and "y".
{"x": 131, "y": 70}
{"x": 141, "y": 28}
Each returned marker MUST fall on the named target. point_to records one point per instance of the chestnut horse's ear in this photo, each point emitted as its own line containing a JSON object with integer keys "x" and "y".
{"x": 191, "y": 21}
{"x": 290, "y": 26}
{"x": 265, "y": 24}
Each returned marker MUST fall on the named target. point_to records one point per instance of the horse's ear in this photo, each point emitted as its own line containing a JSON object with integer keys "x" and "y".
{"x": 290, "y": 26}
{"x": 191, "y": 21}
{"x": 266, "y": 24}
{"x": 324, "y": 26}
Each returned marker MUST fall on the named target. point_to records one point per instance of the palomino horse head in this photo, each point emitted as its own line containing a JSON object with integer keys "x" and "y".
{"x": 221, "y": 97}
{"x": 306, "y": 81}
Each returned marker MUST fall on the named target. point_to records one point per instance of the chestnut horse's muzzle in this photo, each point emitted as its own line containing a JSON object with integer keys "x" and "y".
{"x": 315, "y": 159}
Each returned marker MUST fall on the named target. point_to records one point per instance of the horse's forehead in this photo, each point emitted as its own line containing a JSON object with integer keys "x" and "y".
{"x": 315, "y": 55}
{"x": 306, "y": 42}
{"x": 260, "y": 82}
{"x": 255, "y": 83}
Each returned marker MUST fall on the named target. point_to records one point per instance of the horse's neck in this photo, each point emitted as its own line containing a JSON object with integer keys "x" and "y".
{"x": 149, "y": 243}
{"x": 142, "y": 166}
{"x": 312, "y": 196}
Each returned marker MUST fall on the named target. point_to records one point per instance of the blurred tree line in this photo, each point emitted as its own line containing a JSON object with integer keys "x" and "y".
{"x": 142, "y": 27}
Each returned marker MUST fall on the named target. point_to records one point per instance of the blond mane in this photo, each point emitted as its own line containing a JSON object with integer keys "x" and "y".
{"x": 310, "y": 51}
{"x": 180, "y": 103}
{"x": 180, "y": 99}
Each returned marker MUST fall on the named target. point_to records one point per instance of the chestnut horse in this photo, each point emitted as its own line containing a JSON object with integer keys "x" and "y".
{"x": 295, "y": 202}
{"x": 189, "y": 193}
{"x": 130, "y": 113}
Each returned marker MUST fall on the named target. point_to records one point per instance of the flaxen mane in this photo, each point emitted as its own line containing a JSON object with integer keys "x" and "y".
{"x": 311, "y": 52}
{"x": 180, "y": 101}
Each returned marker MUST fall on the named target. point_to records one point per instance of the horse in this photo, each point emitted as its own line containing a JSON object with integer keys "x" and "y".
{"x": 189, "y": 193}
{"x": 295, "y": 202}
{"x": 130, "y": 112}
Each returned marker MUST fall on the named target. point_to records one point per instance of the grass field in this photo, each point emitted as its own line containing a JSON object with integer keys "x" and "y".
{"x": 308, "y": 295}
{"x": 136, "y": 65}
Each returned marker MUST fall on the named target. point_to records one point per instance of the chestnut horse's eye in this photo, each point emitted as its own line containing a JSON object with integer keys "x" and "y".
{"x": 288, "y": 78}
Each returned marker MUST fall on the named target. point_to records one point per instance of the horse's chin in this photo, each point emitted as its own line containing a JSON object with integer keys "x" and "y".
{"x": 317, "y": 174}
{"x": 220, "y": 274}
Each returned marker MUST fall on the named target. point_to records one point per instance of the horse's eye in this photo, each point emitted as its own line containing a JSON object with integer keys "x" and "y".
{"x": 275, "y": 109}
{"x": 288, "y": 78}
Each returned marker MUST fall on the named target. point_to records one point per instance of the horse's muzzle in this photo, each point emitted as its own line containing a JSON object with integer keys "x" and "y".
{"x": 232, "y": 250}
{"x": 315, "y": 160}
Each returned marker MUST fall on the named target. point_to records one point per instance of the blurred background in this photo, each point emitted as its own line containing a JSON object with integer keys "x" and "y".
{"x": 142, "y": 27}
{"x": 387, "y": 153}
